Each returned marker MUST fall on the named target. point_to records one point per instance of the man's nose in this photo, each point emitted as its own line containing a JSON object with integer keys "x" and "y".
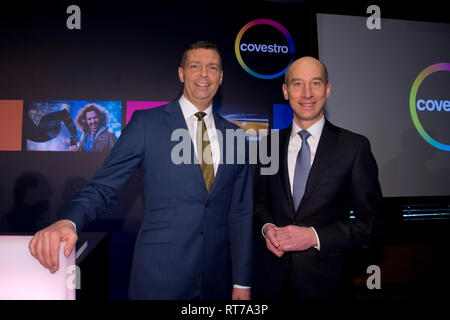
{"x": 307, "y": 92}
{"x": 204, "y": 71}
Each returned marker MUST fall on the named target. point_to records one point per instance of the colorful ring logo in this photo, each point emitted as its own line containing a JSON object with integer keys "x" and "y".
{"x": 412, "y": 103}
{"x": 274, "y": 24}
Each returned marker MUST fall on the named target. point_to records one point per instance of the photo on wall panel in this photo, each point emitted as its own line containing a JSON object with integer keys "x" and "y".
{"x": 72, "y": 125}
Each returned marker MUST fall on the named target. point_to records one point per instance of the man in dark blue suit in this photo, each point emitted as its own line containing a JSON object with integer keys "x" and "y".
{"x": 195, "y": 241}
{"x": 302, "y": 213}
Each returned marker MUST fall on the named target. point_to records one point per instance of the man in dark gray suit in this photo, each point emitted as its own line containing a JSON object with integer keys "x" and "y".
{"x": 303, "y": 212}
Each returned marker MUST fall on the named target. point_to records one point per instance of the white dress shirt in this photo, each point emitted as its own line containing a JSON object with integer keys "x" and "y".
{"x": 189, "y": 111}
{"x": 295, "y": 143}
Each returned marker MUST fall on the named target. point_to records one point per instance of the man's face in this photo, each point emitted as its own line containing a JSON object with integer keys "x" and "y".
{"x": 202, "y": 76}
{"x": 93, "y": 121}
{"x": 306, "y": 91}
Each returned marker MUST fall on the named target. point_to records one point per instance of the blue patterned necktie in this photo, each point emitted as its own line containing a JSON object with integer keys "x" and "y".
{"x": 302, "y": 167}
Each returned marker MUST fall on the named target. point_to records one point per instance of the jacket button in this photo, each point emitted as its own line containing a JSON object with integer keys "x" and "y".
{"x": 207, "y": 204}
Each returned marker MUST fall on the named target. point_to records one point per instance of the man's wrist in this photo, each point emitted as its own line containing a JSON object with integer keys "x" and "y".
{"x": 71, "y": 223}
{"x": 316, "y": 241}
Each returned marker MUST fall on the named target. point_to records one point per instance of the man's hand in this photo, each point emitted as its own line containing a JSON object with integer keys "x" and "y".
{"x": 46, "y": 243}
{"x": 271, "y": 240}
{"x": 295, "y": 238}
{"x": 241, "y": 294}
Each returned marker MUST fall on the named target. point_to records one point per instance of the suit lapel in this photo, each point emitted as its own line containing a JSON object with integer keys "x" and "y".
{"x": 221, "y": 127}
{"x": 175, "y": 120}
{"x": 326, "y": 148}
{"x": 284, "y": 171}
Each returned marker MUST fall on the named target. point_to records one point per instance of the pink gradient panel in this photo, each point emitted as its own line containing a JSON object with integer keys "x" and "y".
{"x": 22, "y": 277}
{"x": 141, "y": 105}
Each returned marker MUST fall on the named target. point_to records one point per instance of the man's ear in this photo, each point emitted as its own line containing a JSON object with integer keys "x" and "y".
{"x": 328, "y": 90}
{"x": 181, "y": 74}
{"x": 285, "y": 91}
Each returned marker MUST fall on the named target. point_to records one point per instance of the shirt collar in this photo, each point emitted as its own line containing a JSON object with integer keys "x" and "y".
{"x": 189, "y": 109}
{"x": 315, "y": 130}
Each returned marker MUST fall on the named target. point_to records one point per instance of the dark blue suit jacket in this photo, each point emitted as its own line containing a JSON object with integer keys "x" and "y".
{"x": 187, "y": 237}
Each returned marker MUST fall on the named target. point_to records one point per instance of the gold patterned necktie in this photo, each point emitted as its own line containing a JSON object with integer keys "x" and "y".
{"x": 204, "y": 153}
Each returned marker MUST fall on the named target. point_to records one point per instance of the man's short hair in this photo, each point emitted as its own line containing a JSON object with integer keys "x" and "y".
{"x": 200, "y": 45}
{"x": 325, "y": 73}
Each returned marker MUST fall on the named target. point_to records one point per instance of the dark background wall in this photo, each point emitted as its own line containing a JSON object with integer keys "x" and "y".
{"x": 128, "y": 51}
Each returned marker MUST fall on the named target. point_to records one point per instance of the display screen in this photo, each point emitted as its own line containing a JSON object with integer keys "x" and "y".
{"x": 393, "y": 86}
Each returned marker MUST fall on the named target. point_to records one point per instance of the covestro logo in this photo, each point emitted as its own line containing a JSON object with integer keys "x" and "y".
{"x": 264, "y": 44}
{"x": 421, "y": 107}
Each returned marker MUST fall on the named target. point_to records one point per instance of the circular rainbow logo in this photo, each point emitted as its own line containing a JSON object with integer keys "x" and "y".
{"x": 274, "y": 24}
{"x": 412, "y": 103}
